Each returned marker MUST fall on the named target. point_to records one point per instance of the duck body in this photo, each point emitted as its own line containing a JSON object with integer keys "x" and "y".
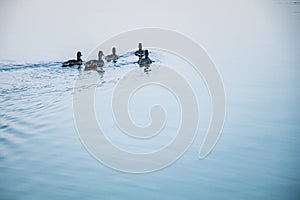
{"x": 144, "y": 61}
{"x": 97, "y": 63}
{"x": 93, "y": 64}
{"x": 111, "y": 57}
{"x": 140, "y": 53}
{"x": 73, "y": 62}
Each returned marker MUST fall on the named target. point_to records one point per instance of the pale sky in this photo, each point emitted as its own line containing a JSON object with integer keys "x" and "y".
{"x": 35, "y": 30}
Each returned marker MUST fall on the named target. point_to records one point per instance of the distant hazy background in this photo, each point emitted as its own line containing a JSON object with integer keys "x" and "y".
{"x": 35, "y": 30}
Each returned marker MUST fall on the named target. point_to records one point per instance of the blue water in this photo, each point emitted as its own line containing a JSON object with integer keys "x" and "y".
{"x": 41, "y": 156}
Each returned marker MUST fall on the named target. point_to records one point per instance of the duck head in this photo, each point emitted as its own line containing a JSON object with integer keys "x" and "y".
{"x": 79, "y": 55}
{"x": 140, "y": 46}
{"x": 146, "y": 53}
{"x": 114, "y": 51}
{"x": 100, "y": 54}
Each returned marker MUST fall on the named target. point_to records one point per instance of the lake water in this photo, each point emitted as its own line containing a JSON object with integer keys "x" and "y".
{"x": 256, "y": 157}
{"x": 42, "y": 157}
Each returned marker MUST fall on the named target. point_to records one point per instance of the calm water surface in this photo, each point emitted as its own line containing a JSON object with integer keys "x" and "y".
{"x": 41, "y": 156}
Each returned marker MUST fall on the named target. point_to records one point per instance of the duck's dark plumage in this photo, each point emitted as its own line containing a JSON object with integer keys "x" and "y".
{"x": 140, "y": 53}
{"x": 73, "y": 62}
{"x": 146, "y": 60}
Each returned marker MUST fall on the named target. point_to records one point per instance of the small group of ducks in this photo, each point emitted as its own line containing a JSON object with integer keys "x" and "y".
{"x": 93, "y": 64}
{"x": 98, "y": 63}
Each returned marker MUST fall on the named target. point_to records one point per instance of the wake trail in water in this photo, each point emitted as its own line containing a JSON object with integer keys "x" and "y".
{"x": 32, "y": 94}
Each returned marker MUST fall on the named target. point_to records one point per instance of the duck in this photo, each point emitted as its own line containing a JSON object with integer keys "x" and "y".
{"x": 145, "y": 61}
{"x": 112, "y": 57}
{"x": 140, "y": 52}
{"x": 73, "y": 62}
{"x": 93, "y": 64}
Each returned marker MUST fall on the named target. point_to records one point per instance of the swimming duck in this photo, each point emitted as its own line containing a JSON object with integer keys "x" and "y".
{"x": 145, "y": 61}
{"x": 112, "y": 57}
{"x": 73, "y": 62}
{"x": 93, "y": 64}
{"x": 140, "y": 53}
